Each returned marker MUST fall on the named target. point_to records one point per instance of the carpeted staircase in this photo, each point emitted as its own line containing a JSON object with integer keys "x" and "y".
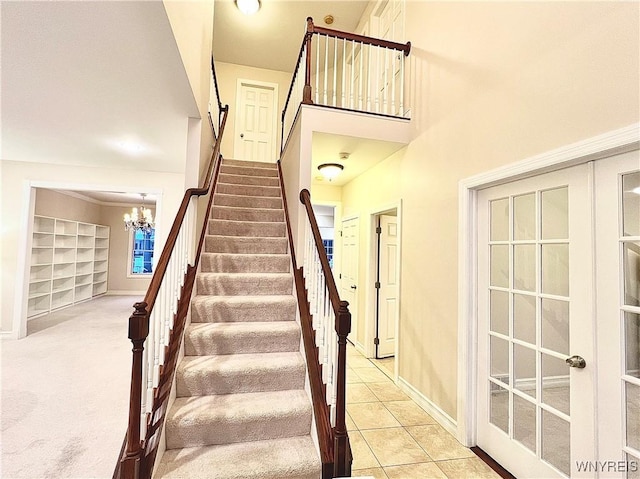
{"x": 241, "y": 409}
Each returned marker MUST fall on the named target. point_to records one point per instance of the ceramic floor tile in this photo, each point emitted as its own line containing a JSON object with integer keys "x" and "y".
{"x": 351, "y": 426}
{"x": 359, "y": 392}
{"x": 438, "y": 443}
{"x": 470, "y": 468}
{"x": 387, "y": 391}
{"x": 363, "y": 456}
{"x": 408, "y": 413}
{"x": 359, "y": 362}
{"x": 423, "y": 470}
{"x": 371, "y": 375}
{"x": 394, "y": 446}
{"x": 372, "y": 415}
{"x": 352, "y": 377}
{"x": 375, "y": 472}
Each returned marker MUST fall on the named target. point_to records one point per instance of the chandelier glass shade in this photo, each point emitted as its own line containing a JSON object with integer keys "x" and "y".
{"x": 139, "y": 219}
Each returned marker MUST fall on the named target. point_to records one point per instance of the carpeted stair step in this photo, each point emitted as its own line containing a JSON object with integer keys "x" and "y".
{"x": 206, "y": 339}
{"x": 249, "y": 180}
{"x": 288, "y": 458}
{"x": 233, "y": 169}
{"x": 232, "y": 418}
{"x": 239, "y": 373}
{"x": 248, "y": 190}
{"x": 242, "y": 245}
{"x": 245, "y": 263}
{"x": 244, "y": 201}
{"x": 246, "y": 214}
{"x": 231, "y": 284}
{"x": 247, "y": 228}
{"x": 229, "y": 309}
{"x": 250, "y": 164}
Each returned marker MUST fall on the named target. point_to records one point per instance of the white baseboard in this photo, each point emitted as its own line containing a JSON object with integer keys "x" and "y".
{"x": 430, "y": 407}
{"x": 125, "y": 293}
{"x": 7, "y": 335}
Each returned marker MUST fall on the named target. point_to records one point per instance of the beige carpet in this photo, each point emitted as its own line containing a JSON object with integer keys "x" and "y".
{"x": 65, "y": 392}
{"x": 241, "y": 410}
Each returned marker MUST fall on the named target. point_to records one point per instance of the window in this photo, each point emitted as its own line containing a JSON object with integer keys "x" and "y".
{"x": 328, "y": 247}
{"x": 141, "y": 258}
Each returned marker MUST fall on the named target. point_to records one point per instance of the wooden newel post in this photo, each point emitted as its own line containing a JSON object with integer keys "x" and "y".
{"x": 342, "y": 448}
{"x": 306, "y": 92}
{"x": 138, "y": 332}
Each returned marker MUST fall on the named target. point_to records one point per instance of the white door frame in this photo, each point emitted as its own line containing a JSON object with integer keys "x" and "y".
{"x": 598, "y": 147}
{"x": 370, "y": 293}
{"x": 274, "y": 130}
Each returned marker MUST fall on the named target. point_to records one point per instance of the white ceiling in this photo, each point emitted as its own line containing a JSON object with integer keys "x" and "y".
{"x": 363, "y": 155}
{"x": 272, "y": 37}
{"x": 93, "y": 84}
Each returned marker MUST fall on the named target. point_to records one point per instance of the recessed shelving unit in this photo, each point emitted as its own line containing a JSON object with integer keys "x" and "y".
{"x": 69, "y": 263}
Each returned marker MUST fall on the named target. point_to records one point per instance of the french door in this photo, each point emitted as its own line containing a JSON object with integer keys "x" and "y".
{"x": 558, "y": 321}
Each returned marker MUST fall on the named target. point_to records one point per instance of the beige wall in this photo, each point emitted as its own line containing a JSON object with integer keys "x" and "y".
{"x": 192, "y": 26}
{"x": 119, "y": 252}
{"x": 58, "y": 205}
{"x": 17, "y": 179}
{"x": 491, "y": 83}
{"x": 228, "y": 75}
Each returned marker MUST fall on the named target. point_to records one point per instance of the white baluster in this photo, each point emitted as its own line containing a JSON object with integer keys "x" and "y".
{"x": 360, "y": 92}
{"x": 386, "y": 81}
{"x": 369, "y": 78}
{"x": 402, "y": 84}
{"x": 377, "y": 70}
{"x": 335, "y": 70}
{"x": 326, "y": 69}
{"x": 394, "y": 54}
{"x": 344, "y": 73}
{"x": 352, "y": 78}
{"x": 317, "y": 91}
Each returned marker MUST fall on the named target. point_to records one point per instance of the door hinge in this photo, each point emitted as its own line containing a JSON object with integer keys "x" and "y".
{"x": 341, "y": 233}
{"x": 377, "y": 284}
{"x": 340, "y": 276}
{"x": 379, "y": 230}
{"x": 376, "y": 341}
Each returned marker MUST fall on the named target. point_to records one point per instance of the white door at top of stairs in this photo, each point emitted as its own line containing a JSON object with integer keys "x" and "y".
{"x": 256, "y": 125}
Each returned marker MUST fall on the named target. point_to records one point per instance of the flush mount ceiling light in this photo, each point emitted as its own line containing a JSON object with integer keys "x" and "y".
{"x": 248, "y": 7}
{"x": 330, "y": 170}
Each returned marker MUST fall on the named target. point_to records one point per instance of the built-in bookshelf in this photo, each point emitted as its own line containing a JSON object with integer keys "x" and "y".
{"x": 69, "y": 263}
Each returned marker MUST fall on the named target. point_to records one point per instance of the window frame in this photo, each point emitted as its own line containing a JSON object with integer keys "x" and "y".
{"x": 130, "y": 256}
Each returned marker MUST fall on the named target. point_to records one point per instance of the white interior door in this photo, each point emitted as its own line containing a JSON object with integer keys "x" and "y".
{"x": 388, "y": 290}
{"x": 255, "y": 129}
{"x": 535, "y": 413}
{"x": 617, "y": 188}
{"x": 349, "y": 274}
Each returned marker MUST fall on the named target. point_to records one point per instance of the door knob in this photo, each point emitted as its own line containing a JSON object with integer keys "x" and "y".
{"x": 353, "y": 286}
{"x": 576, "y": 362}
{"x": 241, "y": 135}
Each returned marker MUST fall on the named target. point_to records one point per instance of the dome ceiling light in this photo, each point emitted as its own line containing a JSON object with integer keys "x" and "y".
{"x": 248, "y": 7}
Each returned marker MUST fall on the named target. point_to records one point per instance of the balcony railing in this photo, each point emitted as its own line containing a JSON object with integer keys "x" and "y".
{"x": 349, "y": 72}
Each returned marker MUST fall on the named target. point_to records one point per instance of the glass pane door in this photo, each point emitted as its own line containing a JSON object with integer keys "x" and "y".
{"x": 531, "y": 296}
{"x": 618, "y": 257}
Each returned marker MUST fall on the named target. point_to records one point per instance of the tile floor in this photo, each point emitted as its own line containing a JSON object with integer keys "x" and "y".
{"x": 394, "y": 438}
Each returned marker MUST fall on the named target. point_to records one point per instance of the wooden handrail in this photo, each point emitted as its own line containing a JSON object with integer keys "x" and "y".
{"x": 131, "y": 464}
{"x": 376, "y": 42}
{"x": 334, "y": 296}
{"x": 341, "y": 448}
{"x": 215, "y": 84}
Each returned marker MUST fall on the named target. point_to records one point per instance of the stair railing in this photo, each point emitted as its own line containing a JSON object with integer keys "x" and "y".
{"x": 156, "y": 326}
{"x": 326, "y": 323}
{"x": 349, "y": 72}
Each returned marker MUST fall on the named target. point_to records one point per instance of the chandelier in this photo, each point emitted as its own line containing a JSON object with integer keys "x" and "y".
{"x": 139, "y": 221}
